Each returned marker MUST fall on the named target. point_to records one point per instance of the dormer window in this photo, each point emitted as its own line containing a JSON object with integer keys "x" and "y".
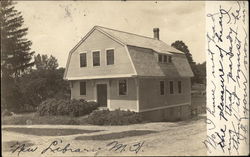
{"x": 169, "y": 59}
{"x": 162, "y": 58}
{"x": 165, "y": 58}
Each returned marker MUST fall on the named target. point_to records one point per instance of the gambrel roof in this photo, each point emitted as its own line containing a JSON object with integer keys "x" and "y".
{"x": 145, "y": 65}
{"x": 141, "y": 50}
{"x": 140, "y": 41}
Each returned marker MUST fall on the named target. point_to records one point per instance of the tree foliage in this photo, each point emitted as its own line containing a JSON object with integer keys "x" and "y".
{"x": 16, "y": 53}
{"x": 21, "y": 84}
{"x": 43, "y": 62}
{"x": 180, "y": 45}
{"x": 44, "y": 82}
{"x": 200, "y": 76}
{"x": 199, "y": 70}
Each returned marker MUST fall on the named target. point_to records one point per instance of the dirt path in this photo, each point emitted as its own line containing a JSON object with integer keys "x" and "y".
{"x": 165, "y": 138}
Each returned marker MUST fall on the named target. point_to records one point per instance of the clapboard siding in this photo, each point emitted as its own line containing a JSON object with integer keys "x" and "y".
{"x": 99, "y": 41}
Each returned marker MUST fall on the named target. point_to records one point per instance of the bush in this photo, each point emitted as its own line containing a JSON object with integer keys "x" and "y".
{"x": 117, "y": 117}
{"x": 47, "y": 107}
{"x": 73, "y": 107}
{"x": 63, "y": 107}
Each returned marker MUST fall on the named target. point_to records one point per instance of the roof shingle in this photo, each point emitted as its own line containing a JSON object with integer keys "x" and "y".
{"x": 146, "y": 64}
{"x": 140, "y": 41}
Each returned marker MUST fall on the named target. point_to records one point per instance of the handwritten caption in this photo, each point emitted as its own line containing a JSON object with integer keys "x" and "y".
{"x": 227, "y": 81}
{"x": 58, "y": 146}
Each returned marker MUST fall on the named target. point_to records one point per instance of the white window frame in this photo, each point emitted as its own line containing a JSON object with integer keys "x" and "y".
{"x": 80, "y": 59}
{"x": 118, "y": 89}
{"x": 163, "y": 56}
{"x": 85, "y": 88}
{"x": 92, "y": 58}
{"x": 107, "y": 58}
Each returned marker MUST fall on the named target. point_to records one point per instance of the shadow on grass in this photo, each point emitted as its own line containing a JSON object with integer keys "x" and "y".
{"x": 6, "y": 146}
{"x": 116, "y": 135}
{"x": 49, "y": 131}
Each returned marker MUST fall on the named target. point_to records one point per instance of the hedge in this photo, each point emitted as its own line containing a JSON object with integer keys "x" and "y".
{"x": 117, "y": 117}
{"x": 73, "y": 107}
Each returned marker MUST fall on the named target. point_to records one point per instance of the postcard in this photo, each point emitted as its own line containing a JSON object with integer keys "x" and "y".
{"x": 124, "y": 78}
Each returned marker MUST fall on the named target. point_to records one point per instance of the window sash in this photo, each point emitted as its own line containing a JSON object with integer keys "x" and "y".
{"x": 123, "y": 87}
{"x": 110, "y": 57}
{"x": 96, "y": 58}
{"x": 170, "y": 59}
{"x": 171, "y": 87}
{"x": 179, "y": 87}
{"x": 159, "y": 57}
{"x": 82, "y": 88}
{"x": 162, "y": 87}
{"x": 165, "y": 58}
{"x": 83, "y": 60}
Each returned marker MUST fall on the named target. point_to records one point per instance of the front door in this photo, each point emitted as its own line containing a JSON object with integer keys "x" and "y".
{"x": 102, "y": 94}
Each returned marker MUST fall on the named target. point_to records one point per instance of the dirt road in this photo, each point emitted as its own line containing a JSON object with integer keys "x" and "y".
{"x": 164, "y": 138}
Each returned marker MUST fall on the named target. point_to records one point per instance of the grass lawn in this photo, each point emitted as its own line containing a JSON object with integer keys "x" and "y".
{"x": 34, "y": 118}
{"x": 48, "y": 131}
{"x": 116, "y": 135}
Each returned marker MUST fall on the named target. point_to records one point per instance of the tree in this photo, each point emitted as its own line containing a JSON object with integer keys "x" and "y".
{"x": 43, "y": 62}
{"x": 199, "y": 70}
{"x": 16, "y": 54}
{"x": 180, "y": 45}
{"x": 200, "y": 73}
{"x": 46, "y": 81}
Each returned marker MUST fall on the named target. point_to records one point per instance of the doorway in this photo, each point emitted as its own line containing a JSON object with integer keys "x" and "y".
{"x": 102, "y": 94}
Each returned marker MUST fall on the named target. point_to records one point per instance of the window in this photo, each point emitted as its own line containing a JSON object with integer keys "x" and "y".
{"x": 83, "y": 60}
{"x": 122, "y": 87}
{"x": 169, "y": 59}
{"x": 96, "y": 58}
{"x": 179, "y": 86}
{"x": 82, "y": 88}
{"x": 160, "y": 58}
{"x": 165, "y": 59}
{"x": 171, "y": 85}
{"x": 162, "y": 88}
{"x": 110, "y": 57}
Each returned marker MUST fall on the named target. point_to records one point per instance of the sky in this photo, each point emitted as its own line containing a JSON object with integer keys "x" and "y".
{"x": 55, "y": 27}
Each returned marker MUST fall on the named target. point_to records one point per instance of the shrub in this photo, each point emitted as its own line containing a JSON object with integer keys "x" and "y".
{"x": 63, "y": 107}
{"x": 47, "y": 107}
{"x": 117, "y": 117}
{"x": 73, "y": 107}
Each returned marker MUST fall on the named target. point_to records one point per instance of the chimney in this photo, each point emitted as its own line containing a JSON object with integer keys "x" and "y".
{"x": 156, "y": 33}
